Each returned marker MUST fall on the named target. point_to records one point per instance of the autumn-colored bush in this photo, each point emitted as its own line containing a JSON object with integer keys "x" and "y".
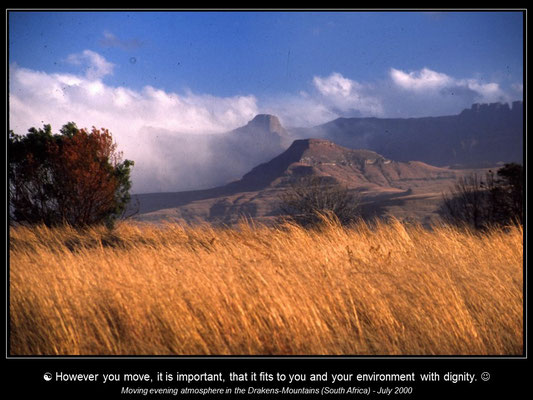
{"x": 75, "y": 177}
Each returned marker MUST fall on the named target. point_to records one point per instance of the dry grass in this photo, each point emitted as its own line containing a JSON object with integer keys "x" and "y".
{"x": 389, "y": 289}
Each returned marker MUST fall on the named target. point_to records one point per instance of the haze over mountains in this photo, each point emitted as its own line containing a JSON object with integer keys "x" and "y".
{"x": 204, "y": 161}
{"x": 400, "y": 166}
{"x": 482, "y": 136}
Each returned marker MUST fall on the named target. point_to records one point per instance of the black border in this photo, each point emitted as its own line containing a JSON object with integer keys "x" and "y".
{"x": 508, "y": 373}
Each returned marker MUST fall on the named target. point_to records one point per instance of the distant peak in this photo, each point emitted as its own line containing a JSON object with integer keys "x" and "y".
{"x": 267, "y": 122}
{"x": 259, "y": 118}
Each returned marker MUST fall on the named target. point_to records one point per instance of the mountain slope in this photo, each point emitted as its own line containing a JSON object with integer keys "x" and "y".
{"x": 349, "y": 167}
{"x": 257, "y": 194}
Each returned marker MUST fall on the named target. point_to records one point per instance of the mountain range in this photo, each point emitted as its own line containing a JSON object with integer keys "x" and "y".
{"x": 482, "y": 136}
{"x": 387, "y": 161}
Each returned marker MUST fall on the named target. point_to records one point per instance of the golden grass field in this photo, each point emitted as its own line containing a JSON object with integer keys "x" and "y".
{"x": 388, "y": 289}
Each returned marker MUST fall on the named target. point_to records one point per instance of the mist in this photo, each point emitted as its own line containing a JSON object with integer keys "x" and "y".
{"x": 175, "y": 161}
{"x": 190, "y": 141}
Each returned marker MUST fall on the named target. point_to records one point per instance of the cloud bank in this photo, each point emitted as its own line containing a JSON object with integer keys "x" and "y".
{"x": 135, "y": 118}
{"x": 435, "y": 83}
{"x": 140, "y": 119}
{"x": 401, "y": 94}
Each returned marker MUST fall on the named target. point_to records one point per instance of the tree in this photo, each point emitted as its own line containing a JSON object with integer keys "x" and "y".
{"x": 75, "y": 177}
{"x": 481, "y": 203}
{"x": 509, "y": 193}
{"x": 467, "y": 203}
{"x": 310, "y": 197}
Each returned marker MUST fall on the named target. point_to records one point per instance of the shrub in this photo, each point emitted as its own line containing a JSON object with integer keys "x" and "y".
{"x": 75, "y": 177}
{"x": 310, "y": 198}
{"x": 480, "y": 203}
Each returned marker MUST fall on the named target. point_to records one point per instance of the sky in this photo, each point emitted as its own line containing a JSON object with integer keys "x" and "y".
{"x": 187, "y": 72}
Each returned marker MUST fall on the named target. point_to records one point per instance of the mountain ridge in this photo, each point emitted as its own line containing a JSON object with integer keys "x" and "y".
{"x": 481, "y": 136}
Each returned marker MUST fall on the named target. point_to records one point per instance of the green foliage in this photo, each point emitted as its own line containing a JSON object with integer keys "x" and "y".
{"x": 75, "y": 177}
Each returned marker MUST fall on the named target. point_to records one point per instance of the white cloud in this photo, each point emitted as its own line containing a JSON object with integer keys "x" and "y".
{"x": 38, "y": 98}
{"x": 518, "y": 87}
{"x": 97, "y": 66}
{"x": 425, "y": 79}
{"x": 336, "y": 85}
{"x": 426, "y": 82}
{"x": 302, "y": 110}
{"x": 401, "y": 95}
{"x": 111, "y": 40}
{"x": 488, "y": 92}
{"x": 59, "y": 97}
{"x": 345, "y": 95}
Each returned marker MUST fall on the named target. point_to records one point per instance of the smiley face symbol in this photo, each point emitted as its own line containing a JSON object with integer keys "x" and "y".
{"x": 47, "y": 377}
{"x": 485, "y": 376}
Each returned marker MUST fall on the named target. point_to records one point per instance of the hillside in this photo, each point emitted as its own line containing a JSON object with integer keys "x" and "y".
{"x": 404, "y": 189}
{"x": 361, "y": 169}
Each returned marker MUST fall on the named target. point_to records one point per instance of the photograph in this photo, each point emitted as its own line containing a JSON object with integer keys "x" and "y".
{"x": 265, "y": 185}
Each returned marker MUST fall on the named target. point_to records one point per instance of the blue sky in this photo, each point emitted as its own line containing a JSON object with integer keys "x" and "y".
{"x": 233, "y": 53}
{"x": 146, "y": 73}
